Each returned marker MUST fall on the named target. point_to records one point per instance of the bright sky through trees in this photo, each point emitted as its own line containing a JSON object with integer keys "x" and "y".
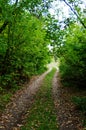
{"x": 60, "y": 10}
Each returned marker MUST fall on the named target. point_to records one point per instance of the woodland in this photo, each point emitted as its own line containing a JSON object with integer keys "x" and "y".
{"x": 27, "y": 29}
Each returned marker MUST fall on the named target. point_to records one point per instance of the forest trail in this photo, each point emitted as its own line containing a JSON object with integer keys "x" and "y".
{"x": 67, "y": 116}
{"x": 22, "y": 101}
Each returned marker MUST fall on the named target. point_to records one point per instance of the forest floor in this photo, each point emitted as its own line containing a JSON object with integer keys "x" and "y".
{"x": 67, "y": 116}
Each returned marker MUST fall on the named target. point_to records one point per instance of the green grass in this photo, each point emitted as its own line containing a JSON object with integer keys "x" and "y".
{"x": 42, "y": 114}
{"x": 4, "y": 99}
{"x": 5, "y": 96}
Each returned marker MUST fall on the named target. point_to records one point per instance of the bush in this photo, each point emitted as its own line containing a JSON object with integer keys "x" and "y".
{"x": 80, "y": 102}
{"x": 73, "y": 62}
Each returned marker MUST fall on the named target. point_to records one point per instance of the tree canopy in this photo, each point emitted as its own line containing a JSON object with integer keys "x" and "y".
{"x": 26, "y": 30}
{"x": 23, "y": 42}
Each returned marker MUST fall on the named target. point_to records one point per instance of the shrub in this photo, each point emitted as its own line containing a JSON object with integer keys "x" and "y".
{"x": 80, "y": 102}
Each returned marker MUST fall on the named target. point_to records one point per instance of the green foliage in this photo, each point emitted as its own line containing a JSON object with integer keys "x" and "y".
{"x": 80, "y": 102}
{"x": 4, "y": 99}
{"x": 22, "y": 43}
{"x": 42, "y": 115}
{"x": 73, "y": 63}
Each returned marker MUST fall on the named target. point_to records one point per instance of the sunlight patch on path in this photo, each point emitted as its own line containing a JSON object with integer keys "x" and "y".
{"x": 53, "y": 64}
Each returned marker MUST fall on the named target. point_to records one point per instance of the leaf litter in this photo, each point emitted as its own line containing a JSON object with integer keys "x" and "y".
{"x": 68, "y": 117}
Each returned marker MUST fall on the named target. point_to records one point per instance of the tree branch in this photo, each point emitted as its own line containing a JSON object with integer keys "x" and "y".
{"x": 75, "y": 13}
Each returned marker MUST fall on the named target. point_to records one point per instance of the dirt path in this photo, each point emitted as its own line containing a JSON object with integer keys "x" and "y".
{"x": 21, "y": 102}
{"x": 67, "y": 115}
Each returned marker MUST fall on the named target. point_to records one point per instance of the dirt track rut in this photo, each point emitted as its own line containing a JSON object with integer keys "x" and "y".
{"x": 67, "y": 115}
{"x": 20, "y": 104}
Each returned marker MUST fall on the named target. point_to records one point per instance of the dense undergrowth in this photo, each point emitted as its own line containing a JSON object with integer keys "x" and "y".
{"x": 80, "y": 103}
{"x": 23, "y": 43}
{"x": 73, "y": 64}
{"x": 22, "y": 50}
{"x": 5, "y": 96}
